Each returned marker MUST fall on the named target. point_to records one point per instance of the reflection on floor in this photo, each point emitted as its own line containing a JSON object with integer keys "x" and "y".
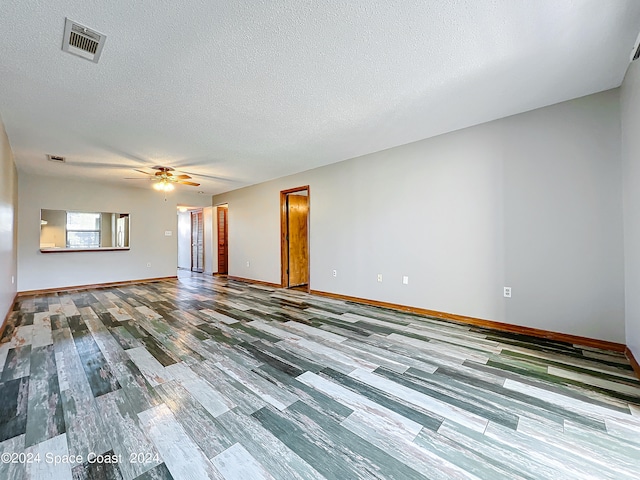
{"x": 210, "y": 378}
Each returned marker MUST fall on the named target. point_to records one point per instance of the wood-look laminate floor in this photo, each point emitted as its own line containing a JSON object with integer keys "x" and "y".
{"x": 208, "y": 378}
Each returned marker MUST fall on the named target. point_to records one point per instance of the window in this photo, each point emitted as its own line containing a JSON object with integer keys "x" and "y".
{"x": 83, "y": 230}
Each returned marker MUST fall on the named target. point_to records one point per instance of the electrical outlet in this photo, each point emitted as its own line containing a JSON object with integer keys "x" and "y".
{"x": 507, "y": 292}
{"x": 335, "y": 273}
{"x": 405, "y": 280}
{"x": 148, "y": 264}
{"x": 248, "y": 264}
{"x": 379, "y": 277}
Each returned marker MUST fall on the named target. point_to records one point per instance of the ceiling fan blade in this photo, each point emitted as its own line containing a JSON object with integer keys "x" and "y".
{"x": 182, "y": 177}
{"x": 159, "y": 173}
{"x": 188, "y": 183}
{"x": 136, "y": 178}
{"x": 146, "y": 173}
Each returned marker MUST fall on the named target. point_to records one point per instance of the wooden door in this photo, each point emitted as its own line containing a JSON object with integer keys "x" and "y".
{"x": 197, "y": 242}
{"x": 298, "y": 230}
{"x": 223, "y": 240}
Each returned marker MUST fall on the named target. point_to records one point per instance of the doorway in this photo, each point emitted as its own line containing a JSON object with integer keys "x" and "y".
{"x": 294, "y": 228}
{"x": 222, "y": 213}
{"x": 197, "y": 241}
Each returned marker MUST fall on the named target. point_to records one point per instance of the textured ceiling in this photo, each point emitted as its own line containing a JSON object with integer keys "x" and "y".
{"x": 250, "y": 90}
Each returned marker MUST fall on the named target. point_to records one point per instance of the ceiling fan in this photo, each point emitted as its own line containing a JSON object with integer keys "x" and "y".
{"x": 164, "y": 180}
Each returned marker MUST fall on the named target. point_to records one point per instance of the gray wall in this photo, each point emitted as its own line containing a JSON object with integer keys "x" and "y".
{"x": 150, "y": 217}
{"x": 630, "y": 100}
{"x": 8, "y": 225}
{"x": 531, "y": 201}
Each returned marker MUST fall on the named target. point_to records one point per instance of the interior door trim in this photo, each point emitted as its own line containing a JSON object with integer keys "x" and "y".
{"x": 225, "y": 208}
{"x": 284, "y": 251}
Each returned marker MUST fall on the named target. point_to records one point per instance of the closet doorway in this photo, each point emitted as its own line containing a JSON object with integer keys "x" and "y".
{"x": 222, "y": 213}
{"x": 294, "y": 228}
{"x": 197, "y": 241}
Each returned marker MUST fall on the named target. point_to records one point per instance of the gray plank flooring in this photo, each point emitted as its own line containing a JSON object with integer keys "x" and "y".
{"x": 211, "y": 378}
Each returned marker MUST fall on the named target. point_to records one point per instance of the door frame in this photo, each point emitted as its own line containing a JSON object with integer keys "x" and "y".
{"x": 217, "y": 232}
{"x": 284, "y": 230}
{"x": 196, "y": 211}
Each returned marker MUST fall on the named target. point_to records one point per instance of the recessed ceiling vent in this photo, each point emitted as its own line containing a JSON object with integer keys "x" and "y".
{"x": 82, "y": 41}
{"x": 56, "y": 158}
{"x": 635, "y": 53}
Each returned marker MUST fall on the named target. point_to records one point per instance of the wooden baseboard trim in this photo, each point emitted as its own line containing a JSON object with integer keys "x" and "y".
{"x": 479, "y": 322}
{"x": 632, "y": 360}
{"x": 29, "y": 293}
{"x": 257, "y": 282}
{"x": 6, "y": 317}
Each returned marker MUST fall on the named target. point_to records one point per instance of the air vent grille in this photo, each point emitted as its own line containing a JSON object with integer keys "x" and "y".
{"x": 82, "y": 41}
{"x": 56, "y": 158}
{"x": 635, "y": 52}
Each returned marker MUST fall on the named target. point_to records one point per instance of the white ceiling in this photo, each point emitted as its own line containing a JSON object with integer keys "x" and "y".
{"x": 250, "y": 90}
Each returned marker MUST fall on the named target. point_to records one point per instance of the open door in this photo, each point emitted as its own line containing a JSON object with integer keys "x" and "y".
{"x": 223, "y": 240}
{"x": 294, "y": 205}
{"x": 197, "y": 242}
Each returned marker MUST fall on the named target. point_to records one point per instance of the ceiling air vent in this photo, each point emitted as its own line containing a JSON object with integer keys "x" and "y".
{"x": 55, "y": 158}
{"x": 82, "y": 41}
{"x": 635, "y": 53}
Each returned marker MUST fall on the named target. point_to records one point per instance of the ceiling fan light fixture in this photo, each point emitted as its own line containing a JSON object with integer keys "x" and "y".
{"x": 163, "y": 186}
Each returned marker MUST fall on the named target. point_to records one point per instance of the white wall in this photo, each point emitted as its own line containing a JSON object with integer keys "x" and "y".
{"x": 210, "y": 261}
{"x": 531, "y": 201}
{"x": 150, "y": 217}
{"x": 184, "y": 240}
{"x": 630, "y": 100}
{"x": 8, "y": 225}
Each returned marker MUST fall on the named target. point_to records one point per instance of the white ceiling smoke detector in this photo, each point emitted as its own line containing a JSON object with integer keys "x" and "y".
{"x": 82, "y": 41}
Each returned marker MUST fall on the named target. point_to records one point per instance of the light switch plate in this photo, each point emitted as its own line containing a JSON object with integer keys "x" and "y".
{"x": 168, "y": 233}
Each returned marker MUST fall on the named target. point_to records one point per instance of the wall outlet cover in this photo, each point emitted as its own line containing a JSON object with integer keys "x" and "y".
{"x": 507, "y": 292}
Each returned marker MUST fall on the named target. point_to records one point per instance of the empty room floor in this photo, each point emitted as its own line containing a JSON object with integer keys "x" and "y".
{"x": 205, "y": 377}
